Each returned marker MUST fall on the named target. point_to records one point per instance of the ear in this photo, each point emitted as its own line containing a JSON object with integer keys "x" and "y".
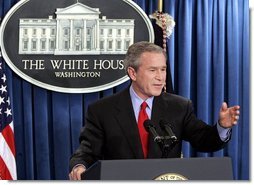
{"x": 132, "y": 73}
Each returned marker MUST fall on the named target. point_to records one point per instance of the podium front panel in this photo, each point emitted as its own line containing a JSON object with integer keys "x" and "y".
{"x": 165, "y": 169}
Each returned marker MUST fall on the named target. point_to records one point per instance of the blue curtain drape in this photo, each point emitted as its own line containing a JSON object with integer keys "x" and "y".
{"x": 209, "y": 58}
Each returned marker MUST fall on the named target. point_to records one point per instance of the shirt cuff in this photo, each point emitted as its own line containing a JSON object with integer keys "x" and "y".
{"x": 77, "y": 165}
{"x": 224, "y": 133}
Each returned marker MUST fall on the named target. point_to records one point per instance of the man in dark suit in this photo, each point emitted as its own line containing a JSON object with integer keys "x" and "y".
{"x": 112, "y": 124}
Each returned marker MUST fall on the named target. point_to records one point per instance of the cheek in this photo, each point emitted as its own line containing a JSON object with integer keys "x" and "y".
{"x": 148, "y": 76}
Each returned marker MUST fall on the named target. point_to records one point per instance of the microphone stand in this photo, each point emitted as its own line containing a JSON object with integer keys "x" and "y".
{"x": 168, "y": 144}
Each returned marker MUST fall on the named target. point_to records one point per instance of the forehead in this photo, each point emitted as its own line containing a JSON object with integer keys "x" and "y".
{"x": 153, "y": 59}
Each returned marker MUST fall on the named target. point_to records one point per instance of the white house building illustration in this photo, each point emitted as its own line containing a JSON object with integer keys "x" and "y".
{"x": 75, "y": 30}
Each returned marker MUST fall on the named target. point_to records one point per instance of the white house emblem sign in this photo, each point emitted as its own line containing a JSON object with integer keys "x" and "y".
{"x": 72, "y": 46}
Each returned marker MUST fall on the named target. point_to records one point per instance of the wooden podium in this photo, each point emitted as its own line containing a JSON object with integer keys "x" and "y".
{"x": 212, "y": 168}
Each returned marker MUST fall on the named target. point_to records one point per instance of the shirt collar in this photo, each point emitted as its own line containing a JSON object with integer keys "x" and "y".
{"x": 136, "y": 100}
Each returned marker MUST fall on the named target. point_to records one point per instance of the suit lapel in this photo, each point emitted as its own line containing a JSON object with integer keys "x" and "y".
{"x": 126, "y": 119}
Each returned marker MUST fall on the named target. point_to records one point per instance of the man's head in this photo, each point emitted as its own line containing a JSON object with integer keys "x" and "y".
{"x": 145, "y": 64}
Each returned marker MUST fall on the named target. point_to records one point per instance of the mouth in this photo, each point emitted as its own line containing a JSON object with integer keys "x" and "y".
{"x": 158, "y": 85}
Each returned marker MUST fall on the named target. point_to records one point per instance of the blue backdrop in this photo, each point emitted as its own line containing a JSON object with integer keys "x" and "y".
{"x": 209, "y": 58}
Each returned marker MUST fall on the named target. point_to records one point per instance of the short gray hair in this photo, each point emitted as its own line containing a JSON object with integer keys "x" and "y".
{"x": 136, "y": 50}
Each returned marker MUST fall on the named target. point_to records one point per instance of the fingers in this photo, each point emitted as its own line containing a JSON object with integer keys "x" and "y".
{"x": 76, "y": 173}
{"x": 73, "y": 175}
{"x": 235, "y": 114}
{"x": 237, "y": 107}
{"x": 235, "y": 118}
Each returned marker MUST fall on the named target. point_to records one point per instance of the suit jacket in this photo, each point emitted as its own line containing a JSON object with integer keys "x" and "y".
{"x": 111, "y": 130}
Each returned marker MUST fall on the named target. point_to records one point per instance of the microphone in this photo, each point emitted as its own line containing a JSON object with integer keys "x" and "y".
{"x": 149, "y": 126}
{"x": 165, "y": 126}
